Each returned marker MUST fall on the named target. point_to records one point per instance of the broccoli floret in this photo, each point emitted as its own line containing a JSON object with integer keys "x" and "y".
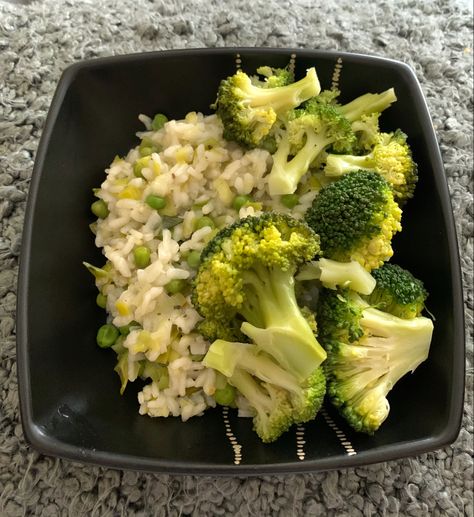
{"x": 276, "y": 396}
{"x": 356, "y": 218}
{"x": 391, "y": 157}
{"x": 367, "y": 131}
{"x": 334, "y": 274}
{"x": 247, "y": 271}
{"x": 308, "y": 132}
{"x": 368, "y": 352}
{"x": 248, "y": 111}
{"x": 397, "y": 292}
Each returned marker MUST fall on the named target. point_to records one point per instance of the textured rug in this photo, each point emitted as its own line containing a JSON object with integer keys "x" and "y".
{"x": 37, "y": 42}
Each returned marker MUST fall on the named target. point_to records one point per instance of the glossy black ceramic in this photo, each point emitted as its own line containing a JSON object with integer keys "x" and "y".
{"x": 70, "y": 401}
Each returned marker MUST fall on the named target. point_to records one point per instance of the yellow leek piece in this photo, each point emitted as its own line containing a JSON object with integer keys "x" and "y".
{"x": 130, "y": 192}
{"x": 122, "y": 307}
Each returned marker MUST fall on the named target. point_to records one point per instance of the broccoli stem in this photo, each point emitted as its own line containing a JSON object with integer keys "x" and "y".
{"x": 276, "y": 324}
{"x": 339, "y": 164}
{"x": 283, "y": 98}
{"x": 367, "y": 104}
{"x": 251, "y": 390}
{"x": 286, "y": 173}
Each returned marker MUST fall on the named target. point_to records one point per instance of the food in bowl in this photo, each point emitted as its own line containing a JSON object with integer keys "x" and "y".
{"x": 219, "y": 229}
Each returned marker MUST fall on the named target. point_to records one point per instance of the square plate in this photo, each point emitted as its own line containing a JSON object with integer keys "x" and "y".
{"x": 70, "y": 402}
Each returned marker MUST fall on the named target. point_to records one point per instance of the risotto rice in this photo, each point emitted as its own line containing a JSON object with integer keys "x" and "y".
{"x": 199, "y": 174}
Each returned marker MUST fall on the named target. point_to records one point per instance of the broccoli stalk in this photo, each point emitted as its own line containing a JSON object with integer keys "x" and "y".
{"x": 367, "y": 104}
{"x": 334, "y": 274}
{"x": 368, "y": 352}
{"x": 248, "y": 111}
{"x": 275, "y": 395}
{"x": 275, "y": 323}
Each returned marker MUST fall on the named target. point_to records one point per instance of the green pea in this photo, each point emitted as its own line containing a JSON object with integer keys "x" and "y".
{"x": 141, "y": 256}
{"x": 193, "y": 259}
{"x": 125, "y": 330}
{"x": 107, "y": 335}
{"x": 100, "y": 209}
{"x": 175, "y": 286}
{"x": 225, "y": 396}
{"x": 101, "y": 300}
{"x": 240, "y": 201}
{"x": 155, "y": 202}
{"x": 146, "y": 151}
{"x": 147, "y": 147}
{"x": 204, "y": 221}
{"x": 159, "y": 120}
{"x": 137, "y": 169}
{"x": 290, "y": 200}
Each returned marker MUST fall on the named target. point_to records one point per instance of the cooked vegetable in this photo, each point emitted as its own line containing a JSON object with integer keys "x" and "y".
{"x": 307, "y": 132}
{"x": 107, "y": 335}
{"x": 276, "y": 395}
{"x": 397, "y": 292}
{"x": 159, "y": 120}
{"x": 100, "y": 209}
{"x": 193, "y": 259}
{"x": 155, "y": 202}
{"x": 391, "y": 157}
{"x": 101, "y": 300}
{"x": 356, "y": 218}
{"x": 334, "y": 274}
{"x": 141, "y": 256}
{"x": 245, "y": 285}
{"x": 248, "y": 110}
{"x": 368, "y": 352}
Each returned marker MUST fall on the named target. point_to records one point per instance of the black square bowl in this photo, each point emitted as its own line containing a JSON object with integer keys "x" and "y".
{"x": 70, "y": 402}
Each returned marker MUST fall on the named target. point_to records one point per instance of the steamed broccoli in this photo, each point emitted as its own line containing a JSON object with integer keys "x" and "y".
{"x": 356, "y": 218}
{"x": 308, "y": 131}
{"x": 246, "y": 281}
{"x": 397, "y": 291}
{"x": 320, "y": 123}
{"x": 367, "y": 131}
{"x": 248, "y": 111}
{"x": 366, "y": 104}
{"x": 368, "y": 352}
{"x": 334, "y": 274}
{"x": 276, "y": 396}
{"x": 391, "y": 157}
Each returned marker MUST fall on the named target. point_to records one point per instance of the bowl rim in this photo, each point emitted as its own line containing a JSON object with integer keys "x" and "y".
{"x": 49, "y": 445}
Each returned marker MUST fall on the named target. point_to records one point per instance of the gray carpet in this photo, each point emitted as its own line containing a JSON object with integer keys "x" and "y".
{"x": 37, "y": 42}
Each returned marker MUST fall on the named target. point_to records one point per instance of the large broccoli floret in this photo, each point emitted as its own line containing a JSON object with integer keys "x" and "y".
{"x": 247, "y": 274}
{"x": 397, "y": 291}
{"x": 368, "y": 352}
{"x": 276, "y": 396}
{"x": 391, "y": 157}
{"x": 308, "y": 131}
{"x": 248, "y": 111}
{"x": 356, "y": 218}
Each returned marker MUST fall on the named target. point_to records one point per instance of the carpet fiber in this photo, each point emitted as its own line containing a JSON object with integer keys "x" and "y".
{"x": 37, "y": 42}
